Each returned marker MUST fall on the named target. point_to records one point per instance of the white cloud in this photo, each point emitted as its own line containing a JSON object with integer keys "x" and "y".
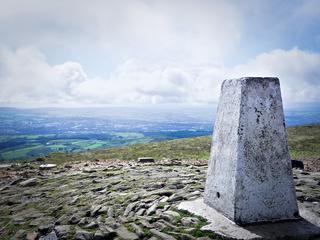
{"x": 27, "y": 79}
{"x": 184, "y": 31}
{"x": 298, "y": 71}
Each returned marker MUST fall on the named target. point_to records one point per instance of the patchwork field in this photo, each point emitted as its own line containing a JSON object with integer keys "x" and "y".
{"x": 304, "y": 144}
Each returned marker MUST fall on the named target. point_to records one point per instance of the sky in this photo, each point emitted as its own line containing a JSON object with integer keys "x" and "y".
{"x": 147, "y": 52}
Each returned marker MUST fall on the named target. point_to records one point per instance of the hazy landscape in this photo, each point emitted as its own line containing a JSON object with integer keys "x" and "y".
{"x": 30, "y": 133}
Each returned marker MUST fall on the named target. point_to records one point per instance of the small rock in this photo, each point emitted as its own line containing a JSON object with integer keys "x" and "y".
{"x": 189, "y": 221}
{"x": 74, "y": 219}
{"x": 125, "y": 234}
{"x": 41, "y": 221}
{"x": 103, "y": 209}
{"x": 160, "y": 192}
{"x": 164, "y": 199}
{"x": 145, "y": 160}
{"x": 74, "y": 200}
{"x": 297, "y": 164}
{"x": 50, "y": 236}
{"x": 29, "y": 183}
{"x": 91, "y": 225}
{"x": 32, "y": 236}
{"x": 130, "y": 208}
{"x": 95, "y": 210}
{"x": 47, "y": 166}
{"x": 45, "y": 228}
{"x": 145, "y": 223}
{"x": 162, "y": 235}
{"x": 175, "y": 197}
{"x": 137, "y": 229}
{"x": 110, "y": 212}
{"x": 88, "y": 170}
{"x": 83, "y": 235}
{"x": 100, "y": 235}
{"x": 67, "y": 166}
{"x": 4, "y": 166}
{"x": 62, "y": 231}
{"x": 140, "y": 212}
{"x": 107, "y": 232}
{"x": 171, "y": 216}
{"x": 160, "y": 225}
{"x": 152, "y": 209}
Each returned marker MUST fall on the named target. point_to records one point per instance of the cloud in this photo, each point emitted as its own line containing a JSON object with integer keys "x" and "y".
{"x": 27, "y": 79}
{"x": 184, "y": 31}
{"x": 298, "y": 71}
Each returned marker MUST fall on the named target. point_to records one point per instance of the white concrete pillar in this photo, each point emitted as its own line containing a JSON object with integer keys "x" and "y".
{"x": 249, "y": 177}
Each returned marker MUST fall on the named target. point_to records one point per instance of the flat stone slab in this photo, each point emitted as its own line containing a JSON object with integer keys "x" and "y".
{"x": 47, "y": 166}
{"x": 307, "y": 227}
{"x": 5, "y": 166}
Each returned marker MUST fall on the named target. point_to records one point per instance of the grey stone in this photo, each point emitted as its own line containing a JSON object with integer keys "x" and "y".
{"x": 101, "y": 235}
{"x": 249, "y": 176}
{"x": 171, "y": 216}
{"x": 161, "y": 235}
{"x": 129, "y": 208}
{"x": 137, "y": 229}
{"x": 145, "y": 160}
{"x": 125, "y": 234}
{"x": 20, "y": 234}
{"x": 103, "y": 209}
{"x": 95, "y": 210}
{"x": 74, "y": 219}
{"x": 175, "y": 197}
{"x": 160, "y": 192}
{"x": 88, "y": 170}
{"x": 45, "y": 228}
{"x": 47, "y": 166}
{"x": 110, "y": 212}
{"x": 50, "y": 236}
{"x": 189, "y": 221}
{"x": 4, "y": 166}
{"x": 62, "y": 231}
{"x": 29, "y": 182}
{"x": 32, "y": 236}
{"x": 42, "y": 221}
{"x": 91, "y": 225}
{"x": 83, "y": 235}
{"x": 164, "y": 199}
{"x": 153, "y": 208}
{"x": 185, "y": 236}
{"x": 145, "y": 223}
{"x": 140, "y": 212}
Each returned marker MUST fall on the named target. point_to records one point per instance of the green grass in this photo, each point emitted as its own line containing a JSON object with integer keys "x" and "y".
{"x": 304, "y": 141}
{"x": 186, "y": 148}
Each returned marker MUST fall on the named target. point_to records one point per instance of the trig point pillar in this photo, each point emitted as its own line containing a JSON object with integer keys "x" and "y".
{"x": 249, "y": 177}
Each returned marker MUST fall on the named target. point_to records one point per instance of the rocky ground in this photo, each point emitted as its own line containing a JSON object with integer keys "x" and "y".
{"x": 113, "y": 200}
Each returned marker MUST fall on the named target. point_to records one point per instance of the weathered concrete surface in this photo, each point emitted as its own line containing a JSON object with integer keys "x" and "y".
{"x": 306, "y": 228}
{"x": 249, "y": 176}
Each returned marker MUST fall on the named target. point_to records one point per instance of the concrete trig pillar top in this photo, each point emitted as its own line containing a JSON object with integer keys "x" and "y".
{"x": 249, "y": 177}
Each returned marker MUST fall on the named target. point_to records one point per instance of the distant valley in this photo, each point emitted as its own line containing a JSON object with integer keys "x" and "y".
{"x": 31, "y": 133}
